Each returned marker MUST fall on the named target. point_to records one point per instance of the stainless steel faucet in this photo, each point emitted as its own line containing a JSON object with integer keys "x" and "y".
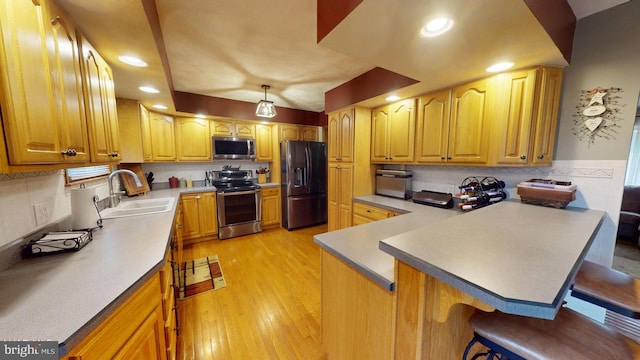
{"x": 113, "y": 199}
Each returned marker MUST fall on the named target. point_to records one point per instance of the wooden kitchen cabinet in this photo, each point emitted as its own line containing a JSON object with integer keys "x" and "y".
{"x": 264, "y": 143}
{"x": 453, "y": 125}
{"x": 162, "y": 136}
{"x": 200, "y": 220}
{"x": 309, "y": 133}
{"x": 270, "y": 207}
{"x": 298, "y": 132}
{"x": 233, "y": 129}
{"x": 528, "y": 101}
{"x": 340, "y": 183}
{"x": 340, "y": 135}
{"x": 393, "y": 132}
{"x": 135, "y": 330}
{"x": 364, "y": 213}
{"x": 193, "y": 140}
{"x": 42, "y": 101}
{"x": 101, "y": 109}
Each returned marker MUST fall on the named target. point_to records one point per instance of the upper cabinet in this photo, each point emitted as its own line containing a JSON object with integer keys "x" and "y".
{"x": 453, "y": 124}
{"x": 392, "y": 132}
{"x": 525, "y": 127}
{"x": 264, "y": 143}
{"x": 233, "y": 129}
{"x": 42, "y": 104}
{"x": 193, "y": 140}
{"x": 100, "y": 100}
{"x": 298, "y": 132}
{"x": 340, "y": 135}
{"x": 161, "y": 132}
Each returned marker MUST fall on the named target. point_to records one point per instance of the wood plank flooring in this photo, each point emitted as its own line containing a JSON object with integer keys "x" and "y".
{"x": 270, "y": 308}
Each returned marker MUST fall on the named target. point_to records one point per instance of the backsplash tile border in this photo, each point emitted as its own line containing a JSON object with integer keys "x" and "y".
{"x": 24, "y": 175}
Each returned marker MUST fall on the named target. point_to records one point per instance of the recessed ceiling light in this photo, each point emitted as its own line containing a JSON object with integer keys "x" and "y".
{"x": 392, "y": 98}
{"x": 133, "y": 61}
{"x": 500, "y": 66}
{"x": 160, "y": 106}
{"x": 436, "y": 27}
{"x": 149, "y": 89}
{"x": 200, "y": 116}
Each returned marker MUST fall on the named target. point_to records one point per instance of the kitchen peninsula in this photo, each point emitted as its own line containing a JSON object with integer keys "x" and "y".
{"x": 512, "y": 257}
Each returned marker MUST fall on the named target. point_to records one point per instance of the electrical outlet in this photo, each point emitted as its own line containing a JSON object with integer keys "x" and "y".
{"x": 43, "y": 215}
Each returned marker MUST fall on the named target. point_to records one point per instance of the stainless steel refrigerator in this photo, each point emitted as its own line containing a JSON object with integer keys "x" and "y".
{"x": 304, "y": 183}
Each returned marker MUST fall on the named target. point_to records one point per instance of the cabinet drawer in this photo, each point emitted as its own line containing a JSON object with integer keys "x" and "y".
{"x": 270, "y": 192}
{"x": 370, "y": 212}
{"x": 168, "y": 303}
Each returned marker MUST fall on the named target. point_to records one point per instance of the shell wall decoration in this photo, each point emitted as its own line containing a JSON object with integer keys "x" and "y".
{"x": 597, "y": 114}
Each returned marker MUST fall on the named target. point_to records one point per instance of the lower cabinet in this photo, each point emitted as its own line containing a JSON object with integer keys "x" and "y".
{"x": 363, "y": 213}
{"x": 200, "y": 220}
{"x": 270, "y": 207}
{"x": 135, "y": 330}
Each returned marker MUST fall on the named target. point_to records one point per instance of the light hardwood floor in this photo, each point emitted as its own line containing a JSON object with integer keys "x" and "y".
{"x": 270, "y": 308}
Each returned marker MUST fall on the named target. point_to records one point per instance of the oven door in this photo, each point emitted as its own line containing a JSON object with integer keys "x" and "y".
{"x": 239, "y": 213}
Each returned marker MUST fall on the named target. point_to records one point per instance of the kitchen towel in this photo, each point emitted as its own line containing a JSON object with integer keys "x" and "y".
{"x": 84, "y": 214}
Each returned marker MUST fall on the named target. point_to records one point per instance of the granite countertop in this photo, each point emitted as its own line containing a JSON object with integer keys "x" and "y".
{"x": 516, "y": 257}
{"x": 58, "y": 297}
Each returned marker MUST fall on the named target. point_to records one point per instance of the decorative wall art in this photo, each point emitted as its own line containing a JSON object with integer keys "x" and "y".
{"x": 597, "y": 114}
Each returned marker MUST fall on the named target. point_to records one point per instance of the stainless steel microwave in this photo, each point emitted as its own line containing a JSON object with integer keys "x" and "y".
{"x": 233, "y": 148}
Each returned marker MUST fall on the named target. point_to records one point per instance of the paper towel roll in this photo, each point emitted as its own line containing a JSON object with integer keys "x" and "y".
{"x": 83, "y": 212}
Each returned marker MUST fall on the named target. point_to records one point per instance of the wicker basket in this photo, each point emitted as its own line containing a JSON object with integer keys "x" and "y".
{"x": 546, "y": 197}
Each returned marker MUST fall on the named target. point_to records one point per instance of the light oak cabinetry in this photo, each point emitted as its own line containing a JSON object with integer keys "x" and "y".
{"x": 455, "y": 129}
{"x": 363, "y": 213}
{"x": 298, "y": 132}
{"x": 270, "y": 207}
{"x": 100, "y": 101}
{"x": 135, "y": 330}
{"x": 349, "y": 142}
{"x": 525, "y": 127}
{"x": 162, "y": 136}
{"x": 41, "y": 85}
{"x": 193, "y": 140}
{"x": 264, "y": 143}
{"x": 393, "y": 132}
{"x": 200, "y": 220}
{"x": 233, "y": 129}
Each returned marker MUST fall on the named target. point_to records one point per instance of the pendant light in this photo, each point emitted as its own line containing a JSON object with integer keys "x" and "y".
{"x": 266, "y": 108}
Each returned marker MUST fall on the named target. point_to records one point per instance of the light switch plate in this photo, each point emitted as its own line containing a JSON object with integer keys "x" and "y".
{"x": 42, "y": 213}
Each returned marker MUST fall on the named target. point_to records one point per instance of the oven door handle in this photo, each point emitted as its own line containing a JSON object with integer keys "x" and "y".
{"x": 239, "y": 193}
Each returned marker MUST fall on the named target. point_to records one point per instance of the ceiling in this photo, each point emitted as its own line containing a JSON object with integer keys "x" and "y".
{"x": 227, "y": 49}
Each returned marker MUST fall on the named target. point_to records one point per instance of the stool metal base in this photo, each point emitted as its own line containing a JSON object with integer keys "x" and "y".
{"x": 495, "y": 351}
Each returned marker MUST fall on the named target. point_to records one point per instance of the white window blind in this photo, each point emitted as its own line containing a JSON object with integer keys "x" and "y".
{"x": 89, "y": 172}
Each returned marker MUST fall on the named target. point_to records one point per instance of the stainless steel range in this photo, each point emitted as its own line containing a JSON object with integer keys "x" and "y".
{"x": 239, "y": 202}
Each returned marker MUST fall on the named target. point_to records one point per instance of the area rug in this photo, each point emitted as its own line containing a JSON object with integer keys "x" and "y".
{"x": 199, "y": 276}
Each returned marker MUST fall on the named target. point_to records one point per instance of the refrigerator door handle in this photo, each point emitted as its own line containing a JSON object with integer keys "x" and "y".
{"x": 307, "y": 167}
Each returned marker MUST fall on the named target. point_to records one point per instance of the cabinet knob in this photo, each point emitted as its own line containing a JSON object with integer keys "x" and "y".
{"x": 540, "y": 157}
{"x": 69, "y": 152}
{"x": 523, "y": 157}
{"x": 448, "y": 157}
{"x": 442, "y": 158}
{"x": 338, "y": 158}
{"x": 198, "y": 197}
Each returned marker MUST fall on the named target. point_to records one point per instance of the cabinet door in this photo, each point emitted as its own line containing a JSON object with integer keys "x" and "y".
{"x": 515, "y": 106}
{"x": 270, "y": 207}
{"x": 148, "y": 341}
{"x": 289, "y": 132}
{"x": 333, "y": 193}
{"x": 469, "y": 122}
{"x": 346, "y": 194}
{"x": 245, "y": 130}
{"x": 113, "y": 130}
{"x": 309, "y": 133}
{"x": 432, "y": 136}
{"x": 67, "y": 86}
{"x": 264, "y": 143}
{"x": 401, "y": 131}
{"x": 546, "y": 117}
{"x": 380, "y": 118}
{"x": 28, "y": 109}
{"x": 222, "y": 128}
{"x": 145, "y": 124}
{"x": 208, "y": 213}
{"x": 193, "y": 142}
{"x": 340, "y": 136}
{"x": 190, "y": 217}
{"x": 162, "y": 137}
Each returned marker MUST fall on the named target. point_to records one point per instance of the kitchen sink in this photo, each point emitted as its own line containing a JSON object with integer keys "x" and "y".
{"x": 138, "y": 207}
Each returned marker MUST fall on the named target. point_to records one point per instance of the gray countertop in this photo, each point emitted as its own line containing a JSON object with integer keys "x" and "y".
{"x": 58, "y": 297}
{"x": 518, "y": 258}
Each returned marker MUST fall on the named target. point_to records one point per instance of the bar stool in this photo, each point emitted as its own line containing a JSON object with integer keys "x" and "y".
{"x": 608, "y": 288}
{"x": 570, "y": 335}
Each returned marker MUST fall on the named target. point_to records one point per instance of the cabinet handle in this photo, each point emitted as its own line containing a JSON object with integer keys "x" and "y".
{"x": 338, "y": 158}
{"x": 540, "y": 157}
{"x": 442, "y": 158}
{"x": 448, "y": 157}
{"x": 69, "y": 152}
{"x": 113, "y": 154}
{"x": 198, "y": 197}
{"x": 523, "y": 157}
